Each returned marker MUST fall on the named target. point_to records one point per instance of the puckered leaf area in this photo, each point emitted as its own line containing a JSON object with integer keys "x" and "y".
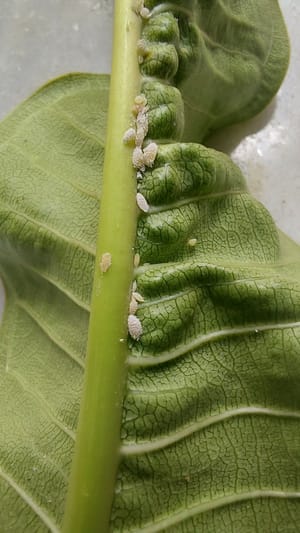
{"x": 227, "y": 57}
{"x": 211, "y": 428}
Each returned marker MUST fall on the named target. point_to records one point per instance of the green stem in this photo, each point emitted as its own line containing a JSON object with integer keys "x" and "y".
{"x": 96, "y": 457}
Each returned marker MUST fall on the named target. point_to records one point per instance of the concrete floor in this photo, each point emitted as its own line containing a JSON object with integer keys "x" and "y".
{"x": 41, "y": 39}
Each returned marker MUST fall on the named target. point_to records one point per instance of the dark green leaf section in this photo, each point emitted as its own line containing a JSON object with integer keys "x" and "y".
{"x": 228, "y": 58}
{"x": 51, "y": 153}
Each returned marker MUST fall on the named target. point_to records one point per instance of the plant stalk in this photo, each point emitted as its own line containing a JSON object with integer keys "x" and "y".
{"x": 96, "y": 456}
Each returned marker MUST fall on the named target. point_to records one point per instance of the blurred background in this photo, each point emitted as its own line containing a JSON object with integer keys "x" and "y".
{"x": 41, "y": 39}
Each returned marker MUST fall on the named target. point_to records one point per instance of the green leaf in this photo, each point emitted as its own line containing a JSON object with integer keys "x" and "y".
{"x": 210, "y": 432}
{"x": 211, "y": 427}
{"x": 51, "y": 155}
{"x": 228, "y": 59}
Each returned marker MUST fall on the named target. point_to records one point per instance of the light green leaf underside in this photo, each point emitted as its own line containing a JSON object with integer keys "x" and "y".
{"x": 51, "y": 154}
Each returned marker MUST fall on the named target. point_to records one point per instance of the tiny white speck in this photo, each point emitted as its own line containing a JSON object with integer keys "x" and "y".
{"x": 135, "y": 328}
{"x": 75, "y": 27}
{"x": 140, "y": 136}
{"x": 138, "y": 158}
{"x": 139, "y": 176}
{"x": 145, "y": 13}
{"x": 142, "y": 202}
{"x": 105, "y": 262}
{"x": 142, "y": 47}
{"x": 150, "y": 153}
{"x": 141, "y": 127}
{"x": 133, "y": 306}
{"x": 136, "y": 260}
{"x": 140, "y": 104}
{"x": 192, "y": 242}
{"x": 138, "y": 297}
{"x": 129, "y": 136}
{"x": 142, "y": 118}
{"x": 140, "y": 99}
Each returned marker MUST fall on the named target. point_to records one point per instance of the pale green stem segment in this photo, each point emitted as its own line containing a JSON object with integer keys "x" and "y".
{"x": 97, "y": 447}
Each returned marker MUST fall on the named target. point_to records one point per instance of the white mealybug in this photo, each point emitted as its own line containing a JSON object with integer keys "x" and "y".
{"x": 138, "y": 158}
{"x": 138, "y": 297}
{"x": 192, "y": 242}
{"x": 142, "y": 202}
{"x": 150, "y": 153}
{"x": 139, "y": 176}
{"x": 136, "y": 260}
{"x": 133, "y": 306}
{"x": 140, "y": 103}
{"x": 142, "y": 47}
{"x": 105, "y": 262}
{"x": 142, "y": 120}
{"x": 142, "y": 50}
{"x": 141, "y": 127}
{"x": 140, "y": 136}
{"x": 134, "y": 285}
{"x": 145, "y": 13}
{"x": 129, "y": 136}
{"x": 135, "y": 329}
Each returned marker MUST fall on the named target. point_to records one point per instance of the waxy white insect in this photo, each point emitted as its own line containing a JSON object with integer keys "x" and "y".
{"x": 134, "y": 286}
{"x": 133, "y": 306}
{"x": 192, "y": 242}
{"x": 129, "y": 136}
{"x": 141, "y": 127}
{"x": 145, "y": 13}
{"x": 142, "y": 202}
{"x": 139, "y": 176}
{"x": 140, "y": 136}
{"x": 135, "y": 328}
{"x": 140, "y": 104}
{"x": 136, "y": 260}
{"x": 138, "y": 297}
{"x": 141, "y": 133}
{"x": 150, "y": 153}
{"x": 138, "y": 158}
{"x": 105, "y": 262}
{"x": 142, "y": 49}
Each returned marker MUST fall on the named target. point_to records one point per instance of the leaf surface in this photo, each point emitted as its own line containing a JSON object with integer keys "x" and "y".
{"x": 227, "y": 58}
{"x": 211, "y": 426}
{"x": 51, "y": 156}
{"x": 210, "y": 432}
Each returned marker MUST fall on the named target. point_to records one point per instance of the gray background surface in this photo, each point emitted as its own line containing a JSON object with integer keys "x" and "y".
{"x": 41, "y": 39}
